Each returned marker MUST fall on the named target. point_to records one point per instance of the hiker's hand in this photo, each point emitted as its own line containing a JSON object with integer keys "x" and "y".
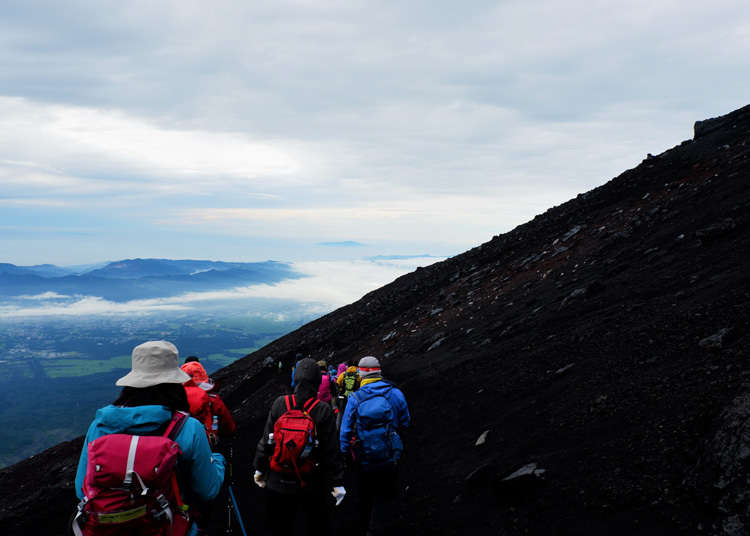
{"x": 338, "y": 493}
{"x": 260, "y": 479}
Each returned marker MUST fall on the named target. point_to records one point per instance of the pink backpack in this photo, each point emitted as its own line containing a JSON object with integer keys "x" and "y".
{"x": 324, "y": 391}
{"x": 131, "y": 487}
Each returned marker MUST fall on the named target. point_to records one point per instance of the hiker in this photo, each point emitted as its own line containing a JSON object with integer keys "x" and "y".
{"x": 297, "y": 359}
{"x": 341, "y": 368}
{"x": 347, "y": 382}
{"x": 147, "y": 427}
{"x": 300, "y": 475}
{"x": 207, "y": 406}
{"x": 374, "y": 422}
{"x": 326, "y": 391}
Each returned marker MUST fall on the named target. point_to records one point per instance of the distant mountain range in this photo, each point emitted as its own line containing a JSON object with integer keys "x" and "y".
{"x": 138, "y": 278}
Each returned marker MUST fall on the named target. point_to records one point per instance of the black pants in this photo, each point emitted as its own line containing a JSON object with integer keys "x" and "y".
{"x": 306, "y": 512}
{"x": 378, "y": 493}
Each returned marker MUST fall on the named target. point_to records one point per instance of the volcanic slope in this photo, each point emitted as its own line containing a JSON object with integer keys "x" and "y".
{"x": 604, "y": 341}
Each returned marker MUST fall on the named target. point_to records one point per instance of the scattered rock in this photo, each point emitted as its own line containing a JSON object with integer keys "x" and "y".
{"x": 436, "y": 344}
{"x": 479, "y": 476}
{"x": 389, "y": 336}
{"x": 717, "y": 229}
{"x": 715, "y": 341}
{"x": 482, "y": 439}
{"x": 529, "y": 470}
{"x": 574, "y": 231}
{"x": 573, "y": 295}
{"x": 564, "y": 369}
{"x": 730, "y": 453}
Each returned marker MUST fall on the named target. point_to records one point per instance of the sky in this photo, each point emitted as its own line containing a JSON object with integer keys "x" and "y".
{"x": 315, "y": 131}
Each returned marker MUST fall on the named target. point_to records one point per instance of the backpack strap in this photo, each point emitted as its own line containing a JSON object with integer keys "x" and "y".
{"x": 179, "y": 418}
{"x": 373, "y": 395}
{"x": 175, "y": 426}
{"x": 310, "y": 404}
{"x": 291, "y": 402}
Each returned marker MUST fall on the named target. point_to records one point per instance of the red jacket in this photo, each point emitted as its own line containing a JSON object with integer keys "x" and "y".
{"x": 226, "y": 422}
{"x": 200, "y": 407}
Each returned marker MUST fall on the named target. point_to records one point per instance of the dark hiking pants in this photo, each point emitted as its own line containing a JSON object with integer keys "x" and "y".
{"x": 307, "y": 511}
{"x": 378, "y": 493}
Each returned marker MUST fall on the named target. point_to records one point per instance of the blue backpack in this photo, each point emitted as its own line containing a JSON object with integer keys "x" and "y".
{"x": 378, "y": 444}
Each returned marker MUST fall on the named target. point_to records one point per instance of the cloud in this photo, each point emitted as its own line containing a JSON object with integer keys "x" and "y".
{"x": 457, "y": 217}
{"x": 343, "y": 244}
{"x": 327, "y": 285}
{"x": 440, "y": 120}
{"x": 89, "y": 306}
{"x": 45, "y": 296}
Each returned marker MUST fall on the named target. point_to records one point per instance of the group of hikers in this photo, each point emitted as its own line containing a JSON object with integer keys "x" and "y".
{"x": 154, "y": 461}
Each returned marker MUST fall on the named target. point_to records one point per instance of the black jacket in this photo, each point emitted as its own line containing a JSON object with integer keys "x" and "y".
{"x": 330, "y": 465}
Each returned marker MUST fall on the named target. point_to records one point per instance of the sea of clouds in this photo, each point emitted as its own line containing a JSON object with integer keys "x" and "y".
{"x": 326, "y": 285}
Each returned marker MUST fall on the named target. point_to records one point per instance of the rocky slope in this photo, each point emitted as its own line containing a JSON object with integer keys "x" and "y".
{"x": 600, "y": 349}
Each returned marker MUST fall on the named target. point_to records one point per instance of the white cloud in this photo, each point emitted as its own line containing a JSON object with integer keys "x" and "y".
{"x": 327, "y": 286}
{"x": 61, "y": 147}
{"x": 45, "y": 296}
{"x": 87, "y": 306}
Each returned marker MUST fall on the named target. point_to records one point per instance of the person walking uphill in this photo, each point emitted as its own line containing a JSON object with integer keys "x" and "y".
{"x": 374, "y": 422}
{"x": 207, "y": 406}
{"x": 298, "y": 460}
{"x": 144, "y": 460}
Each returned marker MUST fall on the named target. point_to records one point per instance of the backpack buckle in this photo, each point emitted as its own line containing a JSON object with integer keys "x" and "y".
{"x": 163, "y": 512}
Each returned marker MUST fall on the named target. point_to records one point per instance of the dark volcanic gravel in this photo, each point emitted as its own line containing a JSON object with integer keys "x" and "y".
{"x": 605, "y": 341}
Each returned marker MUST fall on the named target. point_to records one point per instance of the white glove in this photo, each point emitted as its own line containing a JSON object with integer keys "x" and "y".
{"x": 260, "y": 479}
{"x": 338, "y": 493}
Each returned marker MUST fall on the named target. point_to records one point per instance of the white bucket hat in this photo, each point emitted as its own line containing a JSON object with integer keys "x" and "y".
{"x": 154, "y": 362}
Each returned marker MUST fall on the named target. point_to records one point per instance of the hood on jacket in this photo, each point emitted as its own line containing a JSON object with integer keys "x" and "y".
{"x": 306, "y": 378}
{"x": 198, "y": 374}
{"x": 341, "y": 368}
{"x": 132, "y": 420}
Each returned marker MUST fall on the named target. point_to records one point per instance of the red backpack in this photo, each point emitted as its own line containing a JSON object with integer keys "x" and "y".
{"x": 131, "y": 486}
{"x": 294, "y": 437}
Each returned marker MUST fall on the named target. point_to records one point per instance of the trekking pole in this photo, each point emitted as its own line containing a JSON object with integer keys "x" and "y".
{"x": 237, "y": 511}
{"x": 229, "y": 530}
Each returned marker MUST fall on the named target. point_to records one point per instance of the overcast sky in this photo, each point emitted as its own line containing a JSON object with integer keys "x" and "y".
{"x": 298, "y": 129}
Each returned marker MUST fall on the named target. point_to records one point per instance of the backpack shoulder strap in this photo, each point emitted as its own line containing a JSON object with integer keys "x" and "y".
{"x": 291, "y": 402}
{"x": 310, "y": 404}
{"x": 175, "y": 426}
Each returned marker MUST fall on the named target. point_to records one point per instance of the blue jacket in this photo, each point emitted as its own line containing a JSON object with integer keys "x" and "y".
{"x": 203, "y": 470}
{"x": 369, "y": 386}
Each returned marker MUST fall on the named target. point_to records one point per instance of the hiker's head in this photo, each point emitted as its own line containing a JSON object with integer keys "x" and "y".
{"x": 198, "y": 374}
{"x": 306, "y": 378}
{"x": 154, "y": 362}
{"x": 369, "y": 367}
{"x": 170, "y": 395}
{"x": 323, "y": 365}
{"x": 191, "y": 358}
